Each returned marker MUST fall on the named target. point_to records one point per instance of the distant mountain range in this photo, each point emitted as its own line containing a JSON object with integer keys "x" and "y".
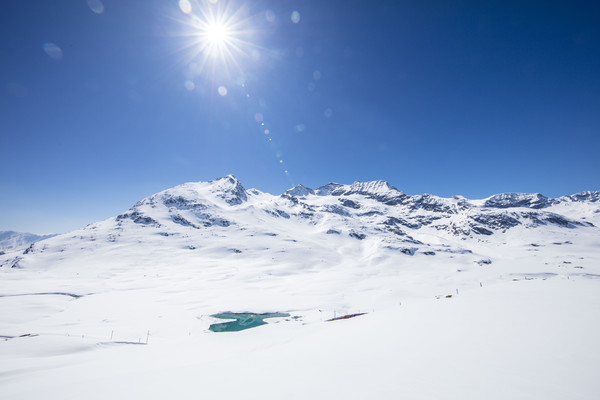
{"x": 374, "y": 215}
{"x": 10, "y": 240}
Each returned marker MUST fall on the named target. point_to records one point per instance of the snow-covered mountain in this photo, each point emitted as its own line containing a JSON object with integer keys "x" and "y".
{"x": 10, "y": 240}
{"x": 196, "y": 216}
{"x": 175, "y": 258}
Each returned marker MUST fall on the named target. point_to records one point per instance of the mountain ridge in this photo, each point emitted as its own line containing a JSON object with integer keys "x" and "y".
{"x": 375, "y": 212}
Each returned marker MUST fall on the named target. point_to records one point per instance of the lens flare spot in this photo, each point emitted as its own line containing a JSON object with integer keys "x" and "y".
{"x": 328, "y": 112}
{"x": 270, "y": 15}
{"x": 189, "y": 85}
{"x": 222, "y": 90}
{"x": 295, "y": 17}
{"x": 185, "y": 6}
{"x": 96, "y": 6}
{"x": 266, "y": 131}
{"x": 258, "y": 117}
{"x": 317, "y": 75}
{"x": 53, "y": 51}
{"x": 300, "y": 128}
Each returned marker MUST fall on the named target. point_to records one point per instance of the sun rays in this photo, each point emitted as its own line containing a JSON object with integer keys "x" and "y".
{"x": 219, "y": 35}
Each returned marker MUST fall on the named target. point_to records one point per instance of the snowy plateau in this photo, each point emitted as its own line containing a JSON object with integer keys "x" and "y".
{"x": 496, "y": 298}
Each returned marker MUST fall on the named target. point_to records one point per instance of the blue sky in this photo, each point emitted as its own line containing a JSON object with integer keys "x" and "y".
{"x": 105, "y": 102}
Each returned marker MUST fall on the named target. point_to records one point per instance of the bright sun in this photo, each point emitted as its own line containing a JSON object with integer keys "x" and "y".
{"x": 217, "y": 34}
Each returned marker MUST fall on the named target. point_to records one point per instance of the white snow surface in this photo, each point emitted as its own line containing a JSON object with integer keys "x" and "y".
{"x": 463, "y": 299}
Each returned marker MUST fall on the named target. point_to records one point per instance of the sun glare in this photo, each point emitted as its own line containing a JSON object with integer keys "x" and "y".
{"x": 219, "y": 34}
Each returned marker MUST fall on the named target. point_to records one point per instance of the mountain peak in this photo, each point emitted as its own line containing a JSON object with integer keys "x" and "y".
{"x": 230, "y": 189}
{"x": 299, "y": 190}
{"x": 378, "y": 188}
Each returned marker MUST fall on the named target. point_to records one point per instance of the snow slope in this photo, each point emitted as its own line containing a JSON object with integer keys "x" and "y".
{"x": 494, "y": 298}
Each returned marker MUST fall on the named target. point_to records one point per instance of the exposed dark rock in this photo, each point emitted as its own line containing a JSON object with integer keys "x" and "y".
{"x": 178, "y": 219}
{"x": 396, "y": 231}
{"x": 29, "y": 249}
{"x": 370, "y": 214}
{"x": 408, "y": 251}
{"x": 359, "y": 236}
{"x": 431, "y": 203}
{"x": 278, "y": 213}
{"x": 481, "y": 231}
{"x": 138, "y": 218}
{"x": 335, "y": 209}
{"x": 496, "y": 221}
{"x": 182, "y": 203}
{"x": 399, "y": 221}
{"x": 15, "y": 263}
{"x": 349, "y": 203}
{"x": 425, "y": 220}
{"x": 558, "y": 220}
{"x": 292, "y": 199}
{"x": 305, "y": 214}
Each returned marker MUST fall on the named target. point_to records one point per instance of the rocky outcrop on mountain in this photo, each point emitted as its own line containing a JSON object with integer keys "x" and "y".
{"x": 512, "y": 200}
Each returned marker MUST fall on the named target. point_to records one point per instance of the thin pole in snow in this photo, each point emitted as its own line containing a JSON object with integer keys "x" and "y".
{"x": 147, "y": 336}
{"x": 111, "y": 334}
